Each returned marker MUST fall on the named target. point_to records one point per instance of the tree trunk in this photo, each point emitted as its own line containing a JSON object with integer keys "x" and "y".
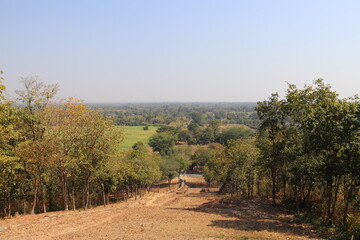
{"x": 297, "y": 199}
{"x": 337, "y": 184}
{"x": 127, "y": 192}
{"x": 104, "y": 195}
{"x": 329, "y": 189}
{"x": 9, "y": 203}
{"x": 35, "y": 195}
{"x": 73, "y": 198}
{"x": 64, "y": 191}
{"x": 24, "y": 198}
{"x": 273, "y": 187}
{"x": 43, "y": 197}
{"x": 87, "y": 193}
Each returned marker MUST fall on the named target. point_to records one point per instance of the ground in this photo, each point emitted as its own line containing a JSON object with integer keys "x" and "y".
{"x": 186, "y": 213}
{"x": 135, "y": 134}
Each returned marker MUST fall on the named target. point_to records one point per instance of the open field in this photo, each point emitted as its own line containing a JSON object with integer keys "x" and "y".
{"x": 186, "y": 213}
{"x": 134, "y": 134}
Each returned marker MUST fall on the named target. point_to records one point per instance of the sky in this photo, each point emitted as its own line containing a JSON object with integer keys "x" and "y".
{"x": 180, "y": 50}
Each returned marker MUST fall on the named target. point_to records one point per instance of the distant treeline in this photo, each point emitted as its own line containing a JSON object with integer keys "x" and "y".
{"x": 135, "y": 114}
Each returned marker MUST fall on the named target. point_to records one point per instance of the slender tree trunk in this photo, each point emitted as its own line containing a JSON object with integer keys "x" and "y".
{"x": 297, "y": 199}
{"x": 103, "y": 193}
{"x": 64, "y": 190}
{"x": 73, "y": 198}
{"x": 308, "y": 195}
{"x": 43, "y": 197}
{"x": 329, "y": 189}
{"x": 127, "y": 192}
{"x": 252, "y": 185}
{"x": 83, "y": 197}
{"x": 249, "y": 186}
{"x": 23, "y": 198}
{"x": 87, "y": 193}
{"x": 9, "y": 203}
{"x": 35, "y": 195}
{"x": 347, "y": 193}
{"x": 337, "y": 184}
{"x": 273, "y": 187}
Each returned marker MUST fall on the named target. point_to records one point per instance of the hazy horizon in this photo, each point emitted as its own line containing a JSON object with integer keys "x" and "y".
{"x": 180, "y": 51}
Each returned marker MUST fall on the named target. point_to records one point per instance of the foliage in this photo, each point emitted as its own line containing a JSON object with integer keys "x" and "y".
{"x": 234, "y": 133}
{"x": 163, "y": 143}
{"x": 309, "y": 143}
{"x": 234, "y": 167}
{"x": 180, "y": 114}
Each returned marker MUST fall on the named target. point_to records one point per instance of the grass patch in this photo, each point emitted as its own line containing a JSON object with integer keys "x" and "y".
{"x": 135, "y": 134}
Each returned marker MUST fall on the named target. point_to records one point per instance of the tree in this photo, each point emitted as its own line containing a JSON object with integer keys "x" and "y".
{"x": 10, "y": 166}
{"x": 271, "y": 137}
{"x": 330, "y": 128}
{"x": 163, "y": 143}
{"x": 169, "y": 168}
{"x": 197, "y": 118}
{"x": 234, "y": 167}
{"x": 37, "y": 147}
{"x": 234, "y": 133}
{"x": 201, "y": 156}
{"x": 168, "y": 129}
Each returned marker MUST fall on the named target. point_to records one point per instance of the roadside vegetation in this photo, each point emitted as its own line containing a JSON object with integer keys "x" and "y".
{"x": 305, "y": 154}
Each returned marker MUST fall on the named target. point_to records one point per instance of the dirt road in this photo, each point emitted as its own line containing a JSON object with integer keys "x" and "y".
{"x": 183, "y": 214}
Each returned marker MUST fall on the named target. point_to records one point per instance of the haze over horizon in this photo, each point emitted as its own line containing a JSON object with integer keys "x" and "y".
{"x": 180, "y": 51}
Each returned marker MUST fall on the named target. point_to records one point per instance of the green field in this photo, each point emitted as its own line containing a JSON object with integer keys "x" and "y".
{"x": 135, "y": 134}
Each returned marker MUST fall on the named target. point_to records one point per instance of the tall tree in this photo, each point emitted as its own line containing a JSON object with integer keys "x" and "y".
{"x": 36, "y": 149}
{"x": 10, "y": 167}
{"x": 271, "y": 137}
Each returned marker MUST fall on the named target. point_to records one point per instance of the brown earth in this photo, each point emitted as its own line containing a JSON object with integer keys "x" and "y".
{"x": 186, "y": 213}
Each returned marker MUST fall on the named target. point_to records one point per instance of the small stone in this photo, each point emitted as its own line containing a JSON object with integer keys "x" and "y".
{"x": 2, "y": 228}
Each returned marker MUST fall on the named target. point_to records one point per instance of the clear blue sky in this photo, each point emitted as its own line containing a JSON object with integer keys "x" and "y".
{"x": 175, "y": 50}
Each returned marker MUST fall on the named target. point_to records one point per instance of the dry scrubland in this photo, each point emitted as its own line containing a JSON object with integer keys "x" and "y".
{"x": 186, "y": 213}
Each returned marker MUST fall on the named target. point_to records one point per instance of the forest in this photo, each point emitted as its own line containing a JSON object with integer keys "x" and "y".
{"x": 302, "y": 151}
{"x": 136, "y": 114}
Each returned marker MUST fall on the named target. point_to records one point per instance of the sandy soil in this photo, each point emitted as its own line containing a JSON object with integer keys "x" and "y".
{"x": 183, "y": 214}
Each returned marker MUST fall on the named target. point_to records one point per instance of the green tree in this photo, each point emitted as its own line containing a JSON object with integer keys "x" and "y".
{"x": 169, "y": 168}
{"x": 10, "y": 166}
{"x": 271, "y": 138}
{"x": 234, "y": 167}
{"x": 197, "y": 118}
{"x": 163, "y": 143}
{"x": 234, "y": 133}
{"x": 201, "y": 156}
{"x": 330, "y": 128}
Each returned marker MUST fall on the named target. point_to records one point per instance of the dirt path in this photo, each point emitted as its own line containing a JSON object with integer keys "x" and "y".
{"x": 183, "y": 214}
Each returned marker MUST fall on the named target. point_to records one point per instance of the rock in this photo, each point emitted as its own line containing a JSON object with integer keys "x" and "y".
{"x": 2, "y": 228}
